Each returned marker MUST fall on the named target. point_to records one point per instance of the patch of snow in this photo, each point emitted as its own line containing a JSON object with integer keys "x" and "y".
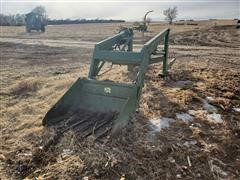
{"x": 185, "y": 117}
{"x": 212, "y": 117}
{"x": 190, "y": 143}
{"x": 236, "y": 109}
{"x": 179, "y": 176}
{"x": 217, "y": 118}
{"x": 195, "y": 125}
{"x": 25, "y": 154}
{"x": 171, "y": 160}
{"x": 209, "y": 107}
{"x": 209, "y": 99}
{"x": 158, "y": 124}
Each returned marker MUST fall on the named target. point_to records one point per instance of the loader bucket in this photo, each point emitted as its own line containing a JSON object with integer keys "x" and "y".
{"x": 93, "y": 107}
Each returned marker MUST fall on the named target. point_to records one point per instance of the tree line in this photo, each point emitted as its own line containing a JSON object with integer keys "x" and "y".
{"x": 19, "y": 20}
{"x": 12, "y": 20}
{"x": 81, "y": 21}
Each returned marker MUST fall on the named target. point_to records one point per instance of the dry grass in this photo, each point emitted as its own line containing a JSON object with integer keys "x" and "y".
{"x": 25, "y": 87}
{"x": 131, "y": 154}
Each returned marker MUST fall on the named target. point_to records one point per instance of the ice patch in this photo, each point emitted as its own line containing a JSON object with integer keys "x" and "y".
{"x": 158, "y": 124}
{"x": 185, "y": 117}
{"x": 217, "y": 118}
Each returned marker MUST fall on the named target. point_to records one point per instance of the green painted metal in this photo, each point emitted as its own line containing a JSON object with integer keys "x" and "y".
{"x": 105, "y": 96}
{"x": 35, "y": 21}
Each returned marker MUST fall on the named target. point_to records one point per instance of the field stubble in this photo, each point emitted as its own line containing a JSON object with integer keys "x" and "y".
{"x": 204, "y": 84}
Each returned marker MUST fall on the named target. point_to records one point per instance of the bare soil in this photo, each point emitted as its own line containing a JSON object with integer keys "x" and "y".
{"x": 204, "y": 82}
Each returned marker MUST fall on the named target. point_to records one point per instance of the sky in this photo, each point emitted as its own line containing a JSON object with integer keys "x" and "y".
{"x": 129, "y": 10}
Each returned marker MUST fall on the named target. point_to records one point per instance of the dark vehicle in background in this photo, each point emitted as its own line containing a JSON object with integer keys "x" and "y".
{"x": 35, "y": 21}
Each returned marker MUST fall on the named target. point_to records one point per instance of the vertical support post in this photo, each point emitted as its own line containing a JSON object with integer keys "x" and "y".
{"x": 93, "y": 68}
{"x": 130, "y": 45}
{"x": 142, "y": 71}
{"x": 94, "y": 64}
{"x": 130, "y": 48}
{"x": 165, "y": 60}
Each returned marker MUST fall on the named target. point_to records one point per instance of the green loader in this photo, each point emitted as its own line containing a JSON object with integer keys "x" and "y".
{"x": 102, "y": 107}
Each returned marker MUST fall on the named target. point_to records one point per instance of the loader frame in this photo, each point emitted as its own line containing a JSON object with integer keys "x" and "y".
{"x": 106, "y": 96}
{"x": 105, "y": 51}
{"x": 150, "y": 53}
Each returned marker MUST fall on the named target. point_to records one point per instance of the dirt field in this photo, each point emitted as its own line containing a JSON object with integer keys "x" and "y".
{"x": 187, "y": 126}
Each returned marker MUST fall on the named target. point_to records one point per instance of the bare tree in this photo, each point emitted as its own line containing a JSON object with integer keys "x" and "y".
{"x": 171, "y": 14}
{"x": 40, "y": 10}
{"x": 12, "y": 20}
